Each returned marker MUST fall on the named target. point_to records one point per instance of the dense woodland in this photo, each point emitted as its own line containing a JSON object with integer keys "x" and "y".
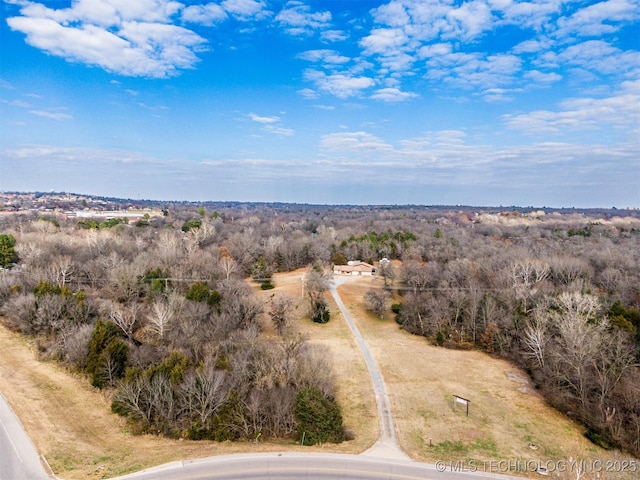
{"x": 159, "y": 311}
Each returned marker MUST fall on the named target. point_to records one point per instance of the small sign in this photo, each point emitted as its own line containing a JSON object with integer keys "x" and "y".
{"x": 461, "y": 401}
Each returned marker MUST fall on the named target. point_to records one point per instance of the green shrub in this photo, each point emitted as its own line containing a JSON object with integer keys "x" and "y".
{"x": 8, "y": 255}
{"x": 267, "y": 285}
{"x": 108, "y": 355}
{"x": 318, "y": 418}
{"x": 321, "y": 313}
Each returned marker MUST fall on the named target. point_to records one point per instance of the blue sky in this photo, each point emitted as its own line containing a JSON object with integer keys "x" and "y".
{"x": 482, "y": 102}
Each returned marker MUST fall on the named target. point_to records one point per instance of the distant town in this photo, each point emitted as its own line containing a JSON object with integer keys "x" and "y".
{"x": 78, "y": 205}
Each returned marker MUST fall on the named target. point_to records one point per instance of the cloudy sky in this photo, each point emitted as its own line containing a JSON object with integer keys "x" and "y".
{"x": 482, "y": 102}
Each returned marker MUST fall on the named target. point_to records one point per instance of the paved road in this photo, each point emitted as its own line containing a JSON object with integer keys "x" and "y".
{"x": 387, "y": 444}
{"x": 19, "y": 459}
{"x": 282, "y": 466}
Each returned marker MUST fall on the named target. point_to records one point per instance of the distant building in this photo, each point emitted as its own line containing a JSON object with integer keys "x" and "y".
{"x": 355, "y": 268}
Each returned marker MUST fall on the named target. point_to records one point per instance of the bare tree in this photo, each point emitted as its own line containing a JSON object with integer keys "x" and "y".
{"x": 227, "y": 263}
{"x": 124, "y": 316}
{"x": 62, "y": 270}
{"x": 526, "y": 275}
{"x": 202, "y": 393}
{"x": 565, "y": 270}
{"x": 281, "y": 312}
{"x": 316, "y": 283}
{"x": 164, "y": 311}
{"x": 376, "y": 301}
{"x": 577, "y": 345}
{"x": 536, "y": 336}
{"x": 134, "y": 396}
{"x": 239, "y": 306}
{"x": 387, "y": 271}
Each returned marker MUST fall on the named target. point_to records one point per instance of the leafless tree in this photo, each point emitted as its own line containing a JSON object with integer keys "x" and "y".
{"x": 124, "y": 282}
{"x": 536, "y": 336}
{"x": 526, "y": 275}
{"x": 125, "y": 317}
{"x": 227, "y": 263}
{"x": 202, "y": 393}
{"x": 62, "y": 270}
{"x": 577, "y": 344}
{"x": 281, "y": 312}
{"x": 376, "y": 301}
{"x": 164, "y": 311}
{"x": 239, "y": 306}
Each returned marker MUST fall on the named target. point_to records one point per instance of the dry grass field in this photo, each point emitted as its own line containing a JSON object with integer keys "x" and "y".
{"x": 508, "y": 419}
{"x": 71, "y": 424}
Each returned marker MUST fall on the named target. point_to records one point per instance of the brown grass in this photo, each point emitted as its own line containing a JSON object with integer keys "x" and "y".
{"x": 71, "y": 424}
{"x": 507, "y": 419}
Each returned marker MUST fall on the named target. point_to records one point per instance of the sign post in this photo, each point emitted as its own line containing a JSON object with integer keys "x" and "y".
{"x": 462, "y": 401}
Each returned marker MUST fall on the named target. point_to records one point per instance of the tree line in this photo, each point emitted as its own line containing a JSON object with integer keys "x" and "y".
{"x": 562, "y": 306}
{"x": 160, "y": 312}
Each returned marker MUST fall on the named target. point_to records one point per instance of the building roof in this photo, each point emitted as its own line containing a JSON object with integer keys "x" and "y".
{"x": 356, "y": 267}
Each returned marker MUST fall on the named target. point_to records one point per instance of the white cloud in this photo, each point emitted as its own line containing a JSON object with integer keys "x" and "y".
{"x": 385, "y": 41}
{"x": 128, "y": 38}
{"x": 392, "y": 95}
{"x": 532, "y": 46}
{"x": 261, "y": 119}
{"x": 16, "y": 103}
{"x": 208, "y": 14}
{"x": 469, "y": 21}
{"x": 393, "y": 14}
{"x": 298, "y": 19}
{"x": 600, "y": 56}
{"x": 470, "y": 70}
{"x": 493, "y": 95}
{"x": 354, "y": 142}
{"x": 308, "y": 93}
{"x": 246, "y": 9}
{"x": 339, "y": 84}
{"x": 333, "y": 35}
{"x": 285, "y": 132}
{"x": 599, "y": 18}
{"x": 435, "y": 49}
{"x": 584, "y": 114}
{"x": 51, "y": 115}
{"x": 269, "y": 127}
{"x": 330, "y": 57}
{"x": 325, "y": 107}
{"x": 542, "y": 77}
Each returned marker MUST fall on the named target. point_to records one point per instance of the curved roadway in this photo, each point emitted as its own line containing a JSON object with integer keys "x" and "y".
{"x": 316, "y": 466}
{"x": 19, "y": 459}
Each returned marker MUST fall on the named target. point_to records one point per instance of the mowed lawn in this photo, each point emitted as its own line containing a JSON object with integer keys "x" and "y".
{"x": 71, "y": 424}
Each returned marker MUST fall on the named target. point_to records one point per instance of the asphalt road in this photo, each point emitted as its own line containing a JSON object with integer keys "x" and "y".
{"x": 19, "y": 459}
{"x": 282, "y": 466}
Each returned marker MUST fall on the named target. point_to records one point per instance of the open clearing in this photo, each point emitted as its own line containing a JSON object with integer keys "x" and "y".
{"x": 508, "y": 419}
{"x": 71, "y": 424}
